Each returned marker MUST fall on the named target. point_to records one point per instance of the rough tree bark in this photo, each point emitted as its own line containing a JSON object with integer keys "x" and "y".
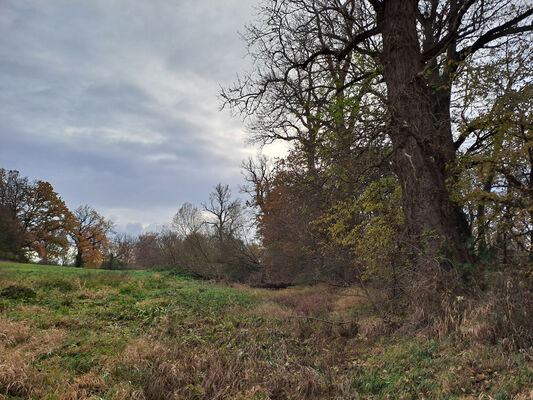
{"x": 421, "y": 148}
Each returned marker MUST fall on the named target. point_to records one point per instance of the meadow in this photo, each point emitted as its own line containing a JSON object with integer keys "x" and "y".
{"x": 68, "y": 333}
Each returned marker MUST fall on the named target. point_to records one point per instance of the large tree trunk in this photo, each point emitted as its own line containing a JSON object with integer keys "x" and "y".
{"x": 422, "y": 149}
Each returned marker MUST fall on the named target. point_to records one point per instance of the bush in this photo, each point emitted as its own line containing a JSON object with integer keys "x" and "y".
{"x": 16, "y": 292}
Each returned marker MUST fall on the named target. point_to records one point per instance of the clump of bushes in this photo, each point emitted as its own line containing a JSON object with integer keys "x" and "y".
{"x": 16, "y": 292}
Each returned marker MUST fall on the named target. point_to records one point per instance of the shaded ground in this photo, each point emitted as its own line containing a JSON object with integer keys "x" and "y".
{"x": 67, "y": 333}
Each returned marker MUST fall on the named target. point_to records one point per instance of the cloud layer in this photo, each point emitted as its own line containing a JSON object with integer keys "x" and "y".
{"x": 115, "y": 101}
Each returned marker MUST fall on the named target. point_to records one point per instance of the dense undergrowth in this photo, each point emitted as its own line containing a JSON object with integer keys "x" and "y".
{"x": 68, "y": 333}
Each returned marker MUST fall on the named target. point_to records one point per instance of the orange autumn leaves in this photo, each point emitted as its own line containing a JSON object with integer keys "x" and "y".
{"x": 35, "y": 219}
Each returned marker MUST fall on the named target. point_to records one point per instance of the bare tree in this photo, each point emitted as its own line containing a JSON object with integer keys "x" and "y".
{"x": 121, "y": 252}
{"x": 226, "y": 213}
{"x": 414, "y": 50}
{"x": 188, "y": 221}
{"x": 148, "y": 251}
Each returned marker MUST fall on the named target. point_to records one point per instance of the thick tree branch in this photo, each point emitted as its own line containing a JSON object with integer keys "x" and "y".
{"x": 339, "y": 54}
{"x": 454, "y": 24}
{"x": 503, "y": 30}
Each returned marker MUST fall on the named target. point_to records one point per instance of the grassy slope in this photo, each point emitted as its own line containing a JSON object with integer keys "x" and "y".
{"x": 153, "y": 335}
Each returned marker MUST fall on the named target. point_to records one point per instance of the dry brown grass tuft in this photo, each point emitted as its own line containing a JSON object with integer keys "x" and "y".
{"x": 525, "y": 396}
{"x": 31, "y": 309}
{"x": 349, "y": 297}
{"x": 195, "y": 376}
{"x": 125, "y": 391}
{"x": 502, "y": 315}
{"x": 19, "y": 347}
{"x": 17, "y": 378}
{"x": 372, "y": 327}
{"x": 307, "y": 303}
{"x": 270, "y": 310}
{"x": 13, "y": 333}
{"x": 84, "y": 387}
{"x": 476, "y": 326}
{"x": 88, "y": 295}
{"x": 219, "y": 374}
{"x": 84, "y": 294}
{"x": 143, "y": 352}
{"x": 46, "y": 341}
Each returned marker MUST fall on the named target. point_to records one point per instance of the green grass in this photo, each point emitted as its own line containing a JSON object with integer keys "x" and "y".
{"x": 97, "y": 334}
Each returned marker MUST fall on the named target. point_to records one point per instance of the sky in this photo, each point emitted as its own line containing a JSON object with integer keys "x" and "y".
{"x": 114, "y": 102}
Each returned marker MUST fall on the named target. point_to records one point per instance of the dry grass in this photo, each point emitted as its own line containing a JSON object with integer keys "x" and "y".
{"x": 501, "y": 315}
{"x": 209, "y": 342}
{"x": 348, "y": 298}
{"x": 372, "y": 327}
{"x": 17, "y": 378}
{"x": 143, "y": 352}
{"x": 307, "y": 303}
{"x": 13, "y": 333}
{"x": 31, "y": 309}
{"x": 270, "y": 310}
{"x": 17, "y": 352}
{"x": 84, "y": 387}
{"x": 84, "y": 294}
{"x": 218, "y": 374}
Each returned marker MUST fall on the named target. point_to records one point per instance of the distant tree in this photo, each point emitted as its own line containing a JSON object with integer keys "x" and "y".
{"x": 121, "y": 252}
{"x": 170, "y": 247}
{"x": 13, "y": 194}
{"x": 11, "y": 237}
{"x": 227, "y": 217}
{"x": 90, "y": 236}
{"x": 14, "y": 191}
{"x": 188, "y": 221}
{"x": 47, "y": 222}
{"x": 147, "y": 251}
{"x": 40, "y": 212}
{"x": 258, "y": 175}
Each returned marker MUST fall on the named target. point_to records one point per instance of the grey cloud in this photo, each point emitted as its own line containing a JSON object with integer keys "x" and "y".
{"x": 114, "y": 101}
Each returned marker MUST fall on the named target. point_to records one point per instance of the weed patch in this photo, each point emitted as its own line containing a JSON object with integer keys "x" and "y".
{"x": 51, "y": 283}
{"x": 16, "y": 292}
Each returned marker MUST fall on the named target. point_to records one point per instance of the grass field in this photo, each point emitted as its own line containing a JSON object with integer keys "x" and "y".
{"x": 69, "y": 333}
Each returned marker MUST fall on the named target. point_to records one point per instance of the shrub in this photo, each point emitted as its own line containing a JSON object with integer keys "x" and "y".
{"x": 16, "y": 292}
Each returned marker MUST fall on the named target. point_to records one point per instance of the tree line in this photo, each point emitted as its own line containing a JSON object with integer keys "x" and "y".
{"x": 211, "y": 242}
{"x": 36, "y": 223}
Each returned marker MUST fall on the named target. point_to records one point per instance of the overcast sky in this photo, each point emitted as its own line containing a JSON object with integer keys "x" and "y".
{"x": 115, "y": 103}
